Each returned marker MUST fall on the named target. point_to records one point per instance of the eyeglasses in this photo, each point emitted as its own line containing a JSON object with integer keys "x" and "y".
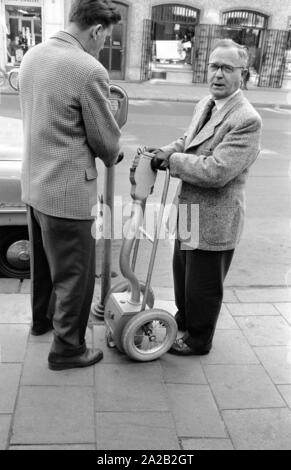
{"x": 224, "y": 68}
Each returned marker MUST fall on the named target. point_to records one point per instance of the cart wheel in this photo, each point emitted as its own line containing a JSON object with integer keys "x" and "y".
{"x": 149, "y": 335}
{"x": 123, "y": 286}
{"x": 109, "y": 339}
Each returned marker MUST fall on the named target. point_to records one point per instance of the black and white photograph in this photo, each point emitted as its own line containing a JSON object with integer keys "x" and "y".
{"x": 145, "y": 228}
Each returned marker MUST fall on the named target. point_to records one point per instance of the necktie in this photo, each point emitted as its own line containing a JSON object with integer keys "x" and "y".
{"x": 206, "y": 115}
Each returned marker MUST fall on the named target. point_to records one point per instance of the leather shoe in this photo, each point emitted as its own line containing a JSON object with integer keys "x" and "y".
{"x": 86, "y": 359}
{"x": 42, "y": 329}
{"x": 181, "y": 348}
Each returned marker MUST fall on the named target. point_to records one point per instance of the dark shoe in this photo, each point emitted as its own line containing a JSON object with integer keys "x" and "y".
{"x": 38, "y": 330}
{"x": 180, "y": 323}
{"x": 181, "y": 348}
{"x": 86, "y": 359}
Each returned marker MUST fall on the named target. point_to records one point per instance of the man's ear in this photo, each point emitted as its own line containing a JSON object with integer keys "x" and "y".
{"x": 95, "y": 31}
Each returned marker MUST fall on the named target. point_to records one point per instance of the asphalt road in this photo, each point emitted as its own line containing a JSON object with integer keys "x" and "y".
{"x": 263, "y": 257}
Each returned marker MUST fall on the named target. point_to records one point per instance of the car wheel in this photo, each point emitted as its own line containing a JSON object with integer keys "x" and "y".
{"x": 14, "y": 252}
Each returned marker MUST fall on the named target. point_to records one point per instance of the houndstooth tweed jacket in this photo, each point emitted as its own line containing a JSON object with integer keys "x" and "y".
{"x": 67, "y": 122}
{"x": 213, "y": 167}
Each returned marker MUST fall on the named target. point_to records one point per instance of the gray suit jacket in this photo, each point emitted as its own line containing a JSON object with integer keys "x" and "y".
{"x": 67, "y": 122}
{"x": 213, "y": 166}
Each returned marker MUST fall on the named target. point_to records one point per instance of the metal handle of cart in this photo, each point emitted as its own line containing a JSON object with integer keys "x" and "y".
{"x": 134, "y": 230}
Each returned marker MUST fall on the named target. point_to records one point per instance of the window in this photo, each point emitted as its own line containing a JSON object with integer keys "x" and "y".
{"x": 173, "y": 34}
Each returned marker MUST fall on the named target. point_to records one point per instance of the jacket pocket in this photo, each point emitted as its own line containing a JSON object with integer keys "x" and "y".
{"x": 91, "y": 173}
{"x": 221, "y": 225}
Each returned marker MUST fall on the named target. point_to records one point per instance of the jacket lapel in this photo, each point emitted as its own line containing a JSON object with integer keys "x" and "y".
{"x": 193, "y": 139}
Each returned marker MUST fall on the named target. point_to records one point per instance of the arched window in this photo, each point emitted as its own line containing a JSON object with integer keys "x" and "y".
{"x": 246, "y": 27}
{"x": 244, "y": 18}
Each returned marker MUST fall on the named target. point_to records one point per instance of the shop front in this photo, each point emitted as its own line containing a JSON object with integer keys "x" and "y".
{"x": 172, "y": 37}
{"x": 21, "y": 30}
{"x": 25, "y": 23}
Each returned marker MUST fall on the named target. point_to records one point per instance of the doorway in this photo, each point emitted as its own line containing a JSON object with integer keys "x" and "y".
{"x": 114, "y": 53}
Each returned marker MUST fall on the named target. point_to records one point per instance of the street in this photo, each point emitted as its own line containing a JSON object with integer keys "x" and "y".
{"x": 263, "y": 257}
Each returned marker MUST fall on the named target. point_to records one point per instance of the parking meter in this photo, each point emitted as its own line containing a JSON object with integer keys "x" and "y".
{"x": 119, "y": 104}
{"x": 119, "y": 107}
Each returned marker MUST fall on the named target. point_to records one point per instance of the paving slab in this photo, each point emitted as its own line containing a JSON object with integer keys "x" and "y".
{"x": 265, "y": 331}
{"x": 229, "y": 296}
{"x": 225, "y": 320}
{"x": 259, "y": 429}
{"x": 5, "y": 421}
{"x": 285, "y": 310}
{"x": 111, "y": 356}
{"x": 207, "y": 444}
{"x": 277, "y": 362}
{"x": 168, "y": 305}
{"x": 241, "y": 310}
{"x": 139, "y": 388}
{"x": 242, "y": 386}
{"x": 13, "y": 340}
{"x": 264, "y": 295}
{"x": 285, "y": 391}
{"x": 195, "y": 411}
{"x": 36, "y": 372}
{"x": 54, "y": 415}
{"x": 136, "y": 431}
{"x": 230, "y": 347}
{"x": 187, "y": 371}
{"x": 15, "y": 308}
{"x": 9, "y": 286}
{"x": 167, "y": 293}
{"x": 9, "y": 383}
{"x": 164, "y": 293}
{"x": 56, "y": 447}
{"x": 25, "y": 286}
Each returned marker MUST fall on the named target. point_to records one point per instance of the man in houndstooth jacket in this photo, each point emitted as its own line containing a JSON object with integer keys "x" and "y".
{"x": 67, "y": 122}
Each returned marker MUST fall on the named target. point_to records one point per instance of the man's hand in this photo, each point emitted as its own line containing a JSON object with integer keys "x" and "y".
{"x": 161, "y": 160}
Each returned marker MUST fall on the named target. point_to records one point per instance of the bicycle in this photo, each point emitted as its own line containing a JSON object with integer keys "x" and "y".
{"x": 10, "y": 77}
{"x": 3, "y": 77}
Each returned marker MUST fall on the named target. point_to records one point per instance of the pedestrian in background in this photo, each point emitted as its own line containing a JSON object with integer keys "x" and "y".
{"x": 245, "y": 79}
{"x": 212, "y": 160}
{"x": 67, "y": 122}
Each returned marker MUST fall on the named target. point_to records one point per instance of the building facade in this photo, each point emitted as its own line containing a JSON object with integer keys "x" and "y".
{"x": 167, "y": 40}
{"x": 24, "y": 23}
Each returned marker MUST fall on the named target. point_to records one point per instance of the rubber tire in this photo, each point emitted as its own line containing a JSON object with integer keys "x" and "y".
{"x": 8, "y": 237}
{"x": 136, "y": 323}
{"x": 123, "y": 286}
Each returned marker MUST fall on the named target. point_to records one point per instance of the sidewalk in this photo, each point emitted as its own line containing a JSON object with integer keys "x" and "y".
{"x": 237, "y": 397}
{"x": 161, "y": 91}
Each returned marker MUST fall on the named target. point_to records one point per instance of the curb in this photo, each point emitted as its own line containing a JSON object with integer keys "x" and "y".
{"x": 179, "y": 100}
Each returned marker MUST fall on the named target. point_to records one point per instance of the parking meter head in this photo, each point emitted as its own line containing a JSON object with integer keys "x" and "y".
{"x": 119, "y": 104}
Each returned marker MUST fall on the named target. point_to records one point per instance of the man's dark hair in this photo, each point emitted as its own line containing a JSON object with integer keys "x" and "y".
{"x": 86, "y": 13}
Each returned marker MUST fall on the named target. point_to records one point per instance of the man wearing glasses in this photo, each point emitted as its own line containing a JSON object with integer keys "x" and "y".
{"x": 212, "y": 160}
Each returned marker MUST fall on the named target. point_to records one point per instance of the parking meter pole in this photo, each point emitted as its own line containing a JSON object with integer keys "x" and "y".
{"x": 108, "y": 231}
{"x": 119, "y": 107}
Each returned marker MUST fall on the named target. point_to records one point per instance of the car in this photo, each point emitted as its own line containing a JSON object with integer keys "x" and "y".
{"x": 14, "y": 241}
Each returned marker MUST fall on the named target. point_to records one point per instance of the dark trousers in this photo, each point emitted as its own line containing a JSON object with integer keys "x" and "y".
{"x": 62, "y": 277}
{"x": 198, "y": 284}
